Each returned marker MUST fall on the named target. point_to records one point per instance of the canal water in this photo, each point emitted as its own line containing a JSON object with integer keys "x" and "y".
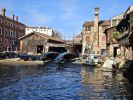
{"x": 70, "y": 82}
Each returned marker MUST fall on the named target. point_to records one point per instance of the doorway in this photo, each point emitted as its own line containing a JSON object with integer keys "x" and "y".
{"x": 39, "y": 48}
{"x": 115, "y": 51}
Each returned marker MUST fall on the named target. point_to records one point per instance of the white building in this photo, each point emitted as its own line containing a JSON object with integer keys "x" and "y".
{"x": 116, "y": 19}
{"x": 43, "y": 30}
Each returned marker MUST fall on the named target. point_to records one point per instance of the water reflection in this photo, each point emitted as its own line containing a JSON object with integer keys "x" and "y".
{"x": 71, "y": 82}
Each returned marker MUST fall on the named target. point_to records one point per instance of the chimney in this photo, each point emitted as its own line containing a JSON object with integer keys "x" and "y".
{"x": 3, "y": 11}
{"x": 96, "y": 27}
{"x": 13, "y": 17}
{"x": 96, "y": 19}
{"x": 17, "y": 18}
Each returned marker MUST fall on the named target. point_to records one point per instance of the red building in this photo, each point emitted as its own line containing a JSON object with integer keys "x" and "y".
{"x": 10, "y": 30}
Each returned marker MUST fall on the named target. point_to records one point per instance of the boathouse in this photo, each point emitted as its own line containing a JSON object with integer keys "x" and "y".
{"x": 38, "y": 43}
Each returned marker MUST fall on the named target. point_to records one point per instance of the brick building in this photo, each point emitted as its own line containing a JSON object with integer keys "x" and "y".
{"x": 10, "y": 30}
{"x": 94, "y": 39}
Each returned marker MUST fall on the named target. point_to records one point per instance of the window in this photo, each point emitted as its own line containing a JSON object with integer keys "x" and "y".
{"x": 6, "y": 41}
{"x": 0, "y": 20}
{"x": 0, "y": 40}
{"x": 0, "y": 31}
{"x": 97, "y": 52}
{"x": 114, "y": 22}
{"x": 6, "y": 33}
{"x": 93, "y": 52}
{"x": 12, "y": 42}
{"x": 87, "y": 38}
{"x": 9, "y": 34}
{"x": 88, "y": 28}
{"x": 14, "y": 34}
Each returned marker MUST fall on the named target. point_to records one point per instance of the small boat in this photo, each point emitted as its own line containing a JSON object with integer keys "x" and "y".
{"x": 92, "y": 60}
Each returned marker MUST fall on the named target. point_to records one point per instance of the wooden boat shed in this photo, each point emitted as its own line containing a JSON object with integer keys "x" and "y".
{"x": 38, "y": 43}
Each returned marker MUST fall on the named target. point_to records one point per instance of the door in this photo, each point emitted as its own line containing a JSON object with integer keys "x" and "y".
{"x": 39, "y": 48}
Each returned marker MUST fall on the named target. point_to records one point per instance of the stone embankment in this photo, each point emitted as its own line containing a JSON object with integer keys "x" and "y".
{"x": 18, "y": 62}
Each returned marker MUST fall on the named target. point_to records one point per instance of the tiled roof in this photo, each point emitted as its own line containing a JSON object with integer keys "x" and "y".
{"x": 78, "y": 36}
{"x": 42, "y": 35}
{"x": 101, "y": 23}
{"x": 88, "y": 23}
{"x": 9, "y": 18}
{"x": 104, "y": 23}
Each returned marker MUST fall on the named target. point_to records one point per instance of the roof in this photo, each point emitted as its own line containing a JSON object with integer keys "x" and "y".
{"x": 37, "y": 27}
{"x": 9, "y": 18}
{"x": 101, "y": 23}
{"x": 120, "y": 16}
{"x": 42, "y": 35}
{"x": 88, "y": 23}
{"x": 78, "y": 36}
{"x": 110, "y": 27}
{"x": 129, "y": 10}
{"x": 104, "y": 23}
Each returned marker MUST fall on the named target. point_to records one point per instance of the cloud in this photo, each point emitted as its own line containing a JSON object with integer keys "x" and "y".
{"x": 39, "y": 17}
{"x": 68, "y": 8}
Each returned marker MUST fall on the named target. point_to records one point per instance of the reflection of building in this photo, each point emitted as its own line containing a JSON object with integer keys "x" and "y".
{"x": 111, "y": 41}
{"x": 37, "y": 43}
{"x": 125, "y": 27}
{"x": 93, "y": 37}
{"x": 10, "y": 30}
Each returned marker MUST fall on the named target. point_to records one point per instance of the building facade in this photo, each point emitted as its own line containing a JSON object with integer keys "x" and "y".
{"x": 94, "y": 39}
{"x": 115, "y": 20}
{"x": 125, "y": 27}
{"x": 112, "y": 35}
{"x": 43, "y": 30}
{"x": 10, "y": 31}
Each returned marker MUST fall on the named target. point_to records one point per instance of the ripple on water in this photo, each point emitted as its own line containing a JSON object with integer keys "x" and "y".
{"x": 68, "y": 83}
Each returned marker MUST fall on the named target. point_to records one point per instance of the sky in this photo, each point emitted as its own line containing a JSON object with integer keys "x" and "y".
{"x": 65, "y": 16}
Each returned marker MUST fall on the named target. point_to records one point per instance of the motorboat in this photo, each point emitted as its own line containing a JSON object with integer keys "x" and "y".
{"x": 65, "y": 57}
{"x": 92, "y": 60}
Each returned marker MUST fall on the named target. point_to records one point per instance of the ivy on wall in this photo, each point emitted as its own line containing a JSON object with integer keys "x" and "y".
{"x": 131, "y": 20}
{"x": 116, "y": 34}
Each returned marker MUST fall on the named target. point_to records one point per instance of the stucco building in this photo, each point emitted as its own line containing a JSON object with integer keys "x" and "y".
{"x": 94, "y": 39}
{"x": 10, "y": 30}
{"x": 43, "y": 30}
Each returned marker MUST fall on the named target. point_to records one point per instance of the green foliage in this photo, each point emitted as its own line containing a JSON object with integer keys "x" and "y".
{"x": 131, "y": 20}
{"x": 116, "y": 34}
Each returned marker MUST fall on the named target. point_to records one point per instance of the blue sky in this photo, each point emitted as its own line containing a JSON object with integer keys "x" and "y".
{"x": 65, "y": 16}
